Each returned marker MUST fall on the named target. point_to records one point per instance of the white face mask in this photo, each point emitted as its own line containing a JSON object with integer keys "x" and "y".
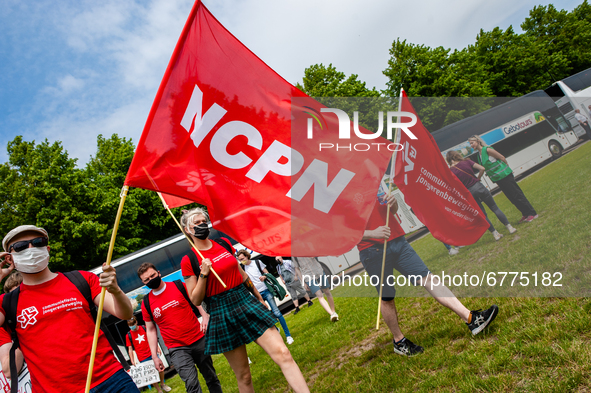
{"x": 31, "y": 260}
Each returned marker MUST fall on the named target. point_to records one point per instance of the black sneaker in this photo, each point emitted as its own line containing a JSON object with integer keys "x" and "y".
{"x": 297, "y": 310}
{"x": 310, "y": 303}
{"x": 407, "y": 348}
{"x": 481, "y": 319}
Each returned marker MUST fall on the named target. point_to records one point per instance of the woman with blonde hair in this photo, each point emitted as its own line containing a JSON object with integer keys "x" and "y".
{"x": 497, "y": 169}
{"x": 464, "y": 171}
{"x": 237, "y": 314}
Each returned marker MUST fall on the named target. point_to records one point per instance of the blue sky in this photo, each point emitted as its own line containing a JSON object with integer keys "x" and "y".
{"x": 71, "y": 70}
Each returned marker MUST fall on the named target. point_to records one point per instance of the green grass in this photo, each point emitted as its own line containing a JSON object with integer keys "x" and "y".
{"x": 540, "y": 342}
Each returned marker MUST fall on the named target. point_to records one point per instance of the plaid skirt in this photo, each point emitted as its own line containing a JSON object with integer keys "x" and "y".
{"x": 236, "y": 318}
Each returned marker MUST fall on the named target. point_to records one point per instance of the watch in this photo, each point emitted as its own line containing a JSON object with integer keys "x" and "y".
{"x": 203, "y": 275}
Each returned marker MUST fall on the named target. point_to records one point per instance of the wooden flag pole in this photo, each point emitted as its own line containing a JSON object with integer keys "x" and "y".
{"x": 188, "y": 238}
{"x": 388, "y": 218}
{"x": 99, "y": 313}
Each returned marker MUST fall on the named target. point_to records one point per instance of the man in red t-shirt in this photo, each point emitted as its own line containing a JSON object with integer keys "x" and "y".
{"x": 137, "y": 339}
{"x": 402, "y": 257}
{"x": 54, "y": 325}
{"x": 180, "y": 330}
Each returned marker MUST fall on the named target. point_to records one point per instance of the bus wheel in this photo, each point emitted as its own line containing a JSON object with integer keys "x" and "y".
{"x": 555, "y": 149}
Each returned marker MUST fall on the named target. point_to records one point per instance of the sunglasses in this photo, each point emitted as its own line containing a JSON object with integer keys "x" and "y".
{"x": 24, "y": 244}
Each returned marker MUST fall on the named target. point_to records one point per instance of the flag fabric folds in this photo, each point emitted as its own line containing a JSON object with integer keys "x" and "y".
{"x": 223, "y": 131}
{"x": 435, "y": 194}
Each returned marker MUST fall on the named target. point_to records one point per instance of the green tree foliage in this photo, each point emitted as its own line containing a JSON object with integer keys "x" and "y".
{"x": 322, "y": 81}
{"x": 500, "y": 63}
{"x": 562, "y": 33}
{"x": 41, "y": 185}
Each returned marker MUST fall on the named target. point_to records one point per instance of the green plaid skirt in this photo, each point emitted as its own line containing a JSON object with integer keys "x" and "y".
{"x": 236, "y": 318}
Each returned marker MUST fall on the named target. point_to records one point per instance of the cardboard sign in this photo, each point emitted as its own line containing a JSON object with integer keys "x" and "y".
{"x": 24, "y": 381}
{"x": 144, "y": 374}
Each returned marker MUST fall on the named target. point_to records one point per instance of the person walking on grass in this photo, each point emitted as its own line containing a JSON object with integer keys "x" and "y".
{"x": 55, "y": 327}
{"x": 169, "y": 309}
{"x": 402, "y": 257}
{"x": 136, "y": 341}
{"x": 309, "y": 271}
{"x": 463, "y": 168}
{"x": 238, "y": 315}
{"x": 292, "y": 282}
{"x": 497, "y": 169}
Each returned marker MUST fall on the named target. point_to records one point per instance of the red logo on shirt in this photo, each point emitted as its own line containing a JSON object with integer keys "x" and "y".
{"x": 27, "y": 317}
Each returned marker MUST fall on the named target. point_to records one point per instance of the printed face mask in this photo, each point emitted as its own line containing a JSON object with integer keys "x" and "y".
{"x": 154, "y": 283}
{"x": 201, "y": 231}
{"x": 31, "y": 260}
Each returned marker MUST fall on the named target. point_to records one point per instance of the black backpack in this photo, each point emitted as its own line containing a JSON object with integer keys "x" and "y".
{"x": 10, "y": 303}
{"x": 182, "y": 290}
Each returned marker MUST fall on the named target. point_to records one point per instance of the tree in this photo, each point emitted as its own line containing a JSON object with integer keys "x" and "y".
{"x": 41, "y": 185}
{"x": 562, "y": 33}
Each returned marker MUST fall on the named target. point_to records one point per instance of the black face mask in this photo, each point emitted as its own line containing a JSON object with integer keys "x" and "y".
{"x": 154, "y": 283}
{"x": 201, "y": 231}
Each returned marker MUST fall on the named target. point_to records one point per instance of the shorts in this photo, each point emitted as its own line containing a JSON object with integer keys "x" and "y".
{"x": 318, "y": 282}
{"x": 400, "y": 256}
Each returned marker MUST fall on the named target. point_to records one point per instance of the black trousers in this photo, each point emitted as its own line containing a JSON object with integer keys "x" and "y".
{"x": 185, "y": 359}
{"x": 515, "y": 195}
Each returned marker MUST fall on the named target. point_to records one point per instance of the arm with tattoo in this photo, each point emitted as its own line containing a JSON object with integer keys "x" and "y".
{"x": 250, "y": 286}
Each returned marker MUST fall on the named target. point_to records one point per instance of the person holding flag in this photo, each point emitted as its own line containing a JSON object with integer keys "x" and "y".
{"x": 402, "y": 257}
{"x": 236, "y": 316}
{"x": 49, "y": 301}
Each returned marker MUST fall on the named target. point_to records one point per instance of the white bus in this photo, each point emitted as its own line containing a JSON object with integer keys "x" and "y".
{"x": 527, "y": 130}
{"x": 573, "y": 93}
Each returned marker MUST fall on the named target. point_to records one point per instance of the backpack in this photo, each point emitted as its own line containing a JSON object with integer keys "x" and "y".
{"x": 10, "y": 303}
{"x": 258, "y": 263}
{"x": 182, "y": 290}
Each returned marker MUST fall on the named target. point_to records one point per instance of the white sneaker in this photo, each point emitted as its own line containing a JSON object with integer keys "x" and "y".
{"x": 166, "y": 388}
{"x": 454, "y": 251}
{"x": 289, "y": 340}
{"x": 511, "y": 229}
{"x": 334, "y": 317}
{"x": 497, "y": 235}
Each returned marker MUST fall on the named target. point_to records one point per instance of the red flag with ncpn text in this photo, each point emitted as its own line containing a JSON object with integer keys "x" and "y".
{"x": 437, "y": 197}
{"x": 220, "y": 133}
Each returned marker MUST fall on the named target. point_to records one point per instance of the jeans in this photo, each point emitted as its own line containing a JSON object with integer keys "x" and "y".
{"x": 268, "y": 296}
{"x": 482, "y": 194}
{"x": 515, "y": 195}
{"x": 185, "y": 359}
{"x": 120, "y": 382}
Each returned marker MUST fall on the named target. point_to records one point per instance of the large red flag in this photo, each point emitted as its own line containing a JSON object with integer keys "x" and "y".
{"x": 219, "y": 133}
{"x": 435, "y": 194}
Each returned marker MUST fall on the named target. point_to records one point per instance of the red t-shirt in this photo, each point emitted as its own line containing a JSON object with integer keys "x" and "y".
{"x": 140, "y": 343}
{"x": 55, "y": 331}
{"x": 174, "y": 316}
{"x": 5, "y": 336}
{"x": 224, "y": 264}
{"x": 378, "y": 219}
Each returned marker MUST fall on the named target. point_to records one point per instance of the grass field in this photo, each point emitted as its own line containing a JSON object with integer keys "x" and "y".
{"x": 540, "y": 341}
